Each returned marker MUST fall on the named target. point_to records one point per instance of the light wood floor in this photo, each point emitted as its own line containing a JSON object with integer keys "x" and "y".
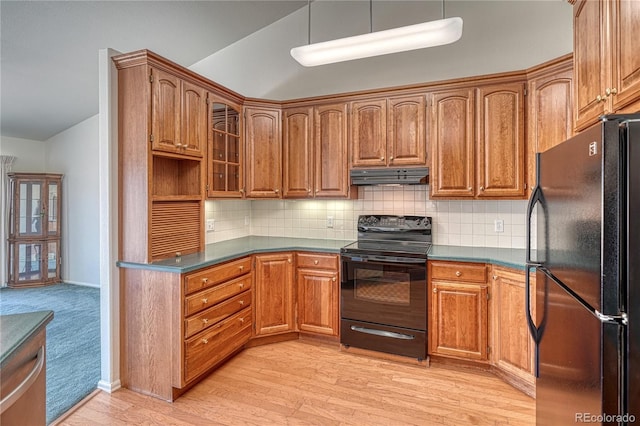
{"x": 302, "y": 382}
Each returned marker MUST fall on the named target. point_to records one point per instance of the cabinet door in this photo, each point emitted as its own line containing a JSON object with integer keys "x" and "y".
{"x": 318, "y": 301}
{"x": 549, "y": 115}
{"x": 331, "y": 158}
{"x": 500, "y": 148}
{"x": 225, "y": 153}
{"x": 297, "y": 150}
{"x": 369, "y": 133}
{"x": 165, "y": 112}
{"x": 193, "y": 132}
{"x": 452, "y": 144}
{"x": 274, "y": 294}
{"x": 406, "y": 131}
{"x": 264, "y": 153}
{"x": 591, "y": 71}
{"x": 459, "y": 320}
{"x": 512, "y": 344}
{"x": 625, "y": 45}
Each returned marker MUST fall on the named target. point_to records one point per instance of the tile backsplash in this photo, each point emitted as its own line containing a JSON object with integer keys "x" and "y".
{"x": 464, "y": 223}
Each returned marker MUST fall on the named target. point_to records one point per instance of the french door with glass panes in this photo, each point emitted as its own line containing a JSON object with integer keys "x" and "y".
{"x": 34, "y": 229}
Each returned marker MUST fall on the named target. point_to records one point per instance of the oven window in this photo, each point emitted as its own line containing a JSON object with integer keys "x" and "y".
{"x": 382, "y": 286}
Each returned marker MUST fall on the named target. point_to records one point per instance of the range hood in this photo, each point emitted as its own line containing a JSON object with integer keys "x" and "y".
{"x": 390, "y": 176}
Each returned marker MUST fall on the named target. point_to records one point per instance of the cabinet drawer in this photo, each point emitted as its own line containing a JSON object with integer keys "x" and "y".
{"x": 206, "y": 349}
{"x": 317, "y": 261}
{"x": 473, "y": 272}
{"x": 208, "y": 277}
{"x": 207, "y": 298}
{"x": 211, "y": 316}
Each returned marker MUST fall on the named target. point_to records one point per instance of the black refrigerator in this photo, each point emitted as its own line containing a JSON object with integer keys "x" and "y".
{"x": 583, "y": 241}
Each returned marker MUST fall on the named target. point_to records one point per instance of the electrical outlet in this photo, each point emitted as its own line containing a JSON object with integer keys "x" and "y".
{"x": 211, "y": 224}
{"x": 498, "y": 225}
{"x": 329, "y": 221}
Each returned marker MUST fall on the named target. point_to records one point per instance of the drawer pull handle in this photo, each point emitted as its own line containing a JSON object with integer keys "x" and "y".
{"x": 458, "y": 273}
{"x": 241, "y": 302}
{"x": 23, "y": 387}
{"x": 241, "y": 285}
{"x": 205, "y": 341}
{"x": 315, "y": 262}
{"x": 205, "y": 280}
{"x": 205, "y": 301}
{"x": 241, "y": 267}
{"x": 241, "y": 320}
{"x": 205, "y": 321}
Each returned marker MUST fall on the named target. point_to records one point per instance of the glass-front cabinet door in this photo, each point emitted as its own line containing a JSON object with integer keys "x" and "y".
{"x": 225, "y": 153}
{"x": 34, "y": 229}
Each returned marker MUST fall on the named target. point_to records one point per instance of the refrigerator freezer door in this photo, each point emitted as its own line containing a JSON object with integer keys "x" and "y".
{"x": 578, "y": 366}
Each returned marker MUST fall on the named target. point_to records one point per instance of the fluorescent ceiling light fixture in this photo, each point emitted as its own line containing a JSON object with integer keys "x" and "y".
{"x": 402, "y": 39}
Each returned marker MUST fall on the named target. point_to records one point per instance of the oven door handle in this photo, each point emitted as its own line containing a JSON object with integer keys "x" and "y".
{"x": 382, "y": 333}
{"x": 392, "y": 259}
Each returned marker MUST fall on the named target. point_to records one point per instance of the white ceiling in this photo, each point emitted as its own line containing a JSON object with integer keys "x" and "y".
{"x": 49, "y": 49}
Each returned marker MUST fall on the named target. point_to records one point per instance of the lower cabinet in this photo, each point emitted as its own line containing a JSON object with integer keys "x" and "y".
{"x": 176, "y": 327}
{"x": 318, "y": 293}
{"x": 513, "y": 351}
{"x": 274, "y": 294}
{"x": 459, "y": 310}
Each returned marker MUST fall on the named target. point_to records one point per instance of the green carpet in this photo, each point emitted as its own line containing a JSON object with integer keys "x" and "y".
{"x": 73, "y": 339}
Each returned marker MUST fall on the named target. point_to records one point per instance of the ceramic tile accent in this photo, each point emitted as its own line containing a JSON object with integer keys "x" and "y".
{"x": 464, "y": 223}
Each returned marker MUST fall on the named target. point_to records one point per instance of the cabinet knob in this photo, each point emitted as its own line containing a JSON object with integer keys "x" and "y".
{"x": 289, "y": 260}
{"x": 205, "y": 341}
{"x": 469, "y": 189}
{"x": 599, "y": 99}
{"x": 241, "y": 320}
{"x": 205, "y": 280}
{"x": 242, "y": 191}
{"x": 333, "y": 279}
{"x": 241, "y": 285}
{"x": 205, "y": 321}
{"x": 495, "y": 277}
{"x": 241, "y": 302}
{"x": 482, "y": 188}
{"x": 458, "y": 273}
{"x": 391, "y": 158}
{"x": 381, "y": 158}
{"x": 315, "y": 262}
{"x": 435, "y": 290}
{"x": 205, "y": 301}
{"x": 309, "y": 191}
{"x": 614, "y": 91}
{"x": 609, "y": 92}
{"x": 241, "y": 267}
{"x": 317, "y": 190}
{"x": 276, "y": 190}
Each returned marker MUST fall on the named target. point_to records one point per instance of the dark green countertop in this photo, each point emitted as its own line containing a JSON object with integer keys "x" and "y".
{"x": 511, "y": 258}
{"x": 17, "y": 329}
{"x": 232, "y": 249}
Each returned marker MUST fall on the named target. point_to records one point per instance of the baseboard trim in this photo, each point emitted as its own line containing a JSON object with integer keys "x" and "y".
{"x": 109, "y": 387}
{"x": 81, "y": 284}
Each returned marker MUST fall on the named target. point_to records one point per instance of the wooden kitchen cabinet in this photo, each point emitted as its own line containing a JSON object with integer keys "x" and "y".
{"x": 513, "y": 347}
{"x": 264, "y": 152}
{"x": 297, "y": 152}
{"x": 606, "y": 38}
{"x": 389, "y": 132}
{"x": 452, "y": 172}
{"x": 318, "y": 293}
{"x": 549, "y": 110}
{"x": 274, "y": 294}
{"x": 178, "y": 327}
{"x": 478, "y": 148}
{"x": 458, "y": 316}
{"x": 226, "y": 149}
{"x": 178, "y": 115}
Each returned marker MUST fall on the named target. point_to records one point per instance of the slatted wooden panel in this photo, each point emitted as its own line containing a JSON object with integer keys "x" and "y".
{"x": 175, "y": 227}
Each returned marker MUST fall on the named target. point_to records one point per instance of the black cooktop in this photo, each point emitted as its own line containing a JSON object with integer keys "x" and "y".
{"x": 385, "y": 247}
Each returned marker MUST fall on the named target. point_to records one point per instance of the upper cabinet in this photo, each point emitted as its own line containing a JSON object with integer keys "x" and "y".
{"x": 606, "y": 61}
{"x": 225, "y": 153}
{"x": 178, "y": 115}
{"x": 477, "y": 139}
{"x": 500, "y": 150}
{"x": 389, "y": 132}
{"x": 549, "y": 110}
{"x": 314, "y": 147}
{"x": 264, "y": 152}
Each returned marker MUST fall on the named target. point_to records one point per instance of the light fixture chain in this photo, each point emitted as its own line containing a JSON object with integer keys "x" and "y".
{"x": 309, "y": 26}
{"x": 442, "y": 9}
{"x": 370, "y": 16}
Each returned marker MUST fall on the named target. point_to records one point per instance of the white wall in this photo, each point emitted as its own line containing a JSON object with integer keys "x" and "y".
{"x": 498, "y": 36}
{"x": 74, "y": 152}
{"x": 31, "y": 155}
